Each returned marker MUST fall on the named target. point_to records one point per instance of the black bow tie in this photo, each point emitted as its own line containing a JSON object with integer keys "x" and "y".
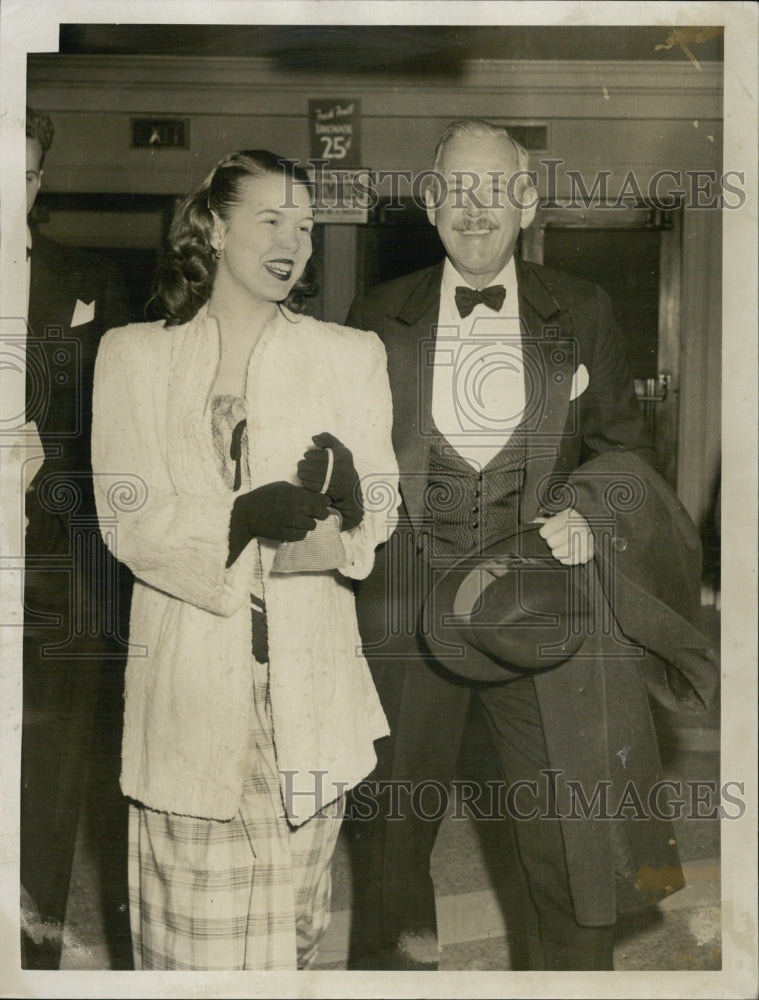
{"x": 467, "y": 298}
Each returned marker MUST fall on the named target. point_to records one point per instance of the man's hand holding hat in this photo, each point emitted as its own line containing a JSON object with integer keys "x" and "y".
{"x": 568, "y": 536}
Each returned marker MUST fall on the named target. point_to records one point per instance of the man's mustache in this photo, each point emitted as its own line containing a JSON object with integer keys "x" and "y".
{"x": 478, "y": 224}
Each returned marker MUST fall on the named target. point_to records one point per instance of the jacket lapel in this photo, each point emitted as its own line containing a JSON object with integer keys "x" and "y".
{"x": 51, "y": 303}
{"x": 53, "y": 356}
{"x": 550, "y": 363}
{"x": 190, "y": 456}
{"x": 410, "y": 346}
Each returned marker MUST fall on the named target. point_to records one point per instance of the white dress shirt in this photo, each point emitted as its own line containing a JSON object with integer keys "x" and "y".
{"x": 478, "y": 386}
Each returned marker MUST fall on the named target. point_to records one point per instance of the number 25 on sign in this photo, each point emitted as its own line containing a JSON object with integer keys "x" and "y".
{"x": 335, "y": 147}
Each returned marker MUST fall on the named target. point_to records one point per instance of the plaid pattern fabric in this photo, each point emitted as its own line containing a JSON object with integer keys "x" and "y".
{"x": 252, "y": 893}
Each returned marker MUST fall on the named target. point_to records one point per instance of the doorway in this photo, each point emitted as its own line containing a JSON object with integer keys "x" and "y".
{"x": 634, "y": 254}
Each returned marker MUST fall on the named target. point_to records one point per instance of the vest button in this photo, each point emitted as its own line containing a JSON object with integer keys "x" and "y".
{"x": 620, "y": 544}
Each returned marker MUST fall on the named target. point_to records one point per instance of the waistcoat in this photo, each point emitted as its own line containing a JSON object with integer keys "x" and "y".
{"x": 466, "y": 505}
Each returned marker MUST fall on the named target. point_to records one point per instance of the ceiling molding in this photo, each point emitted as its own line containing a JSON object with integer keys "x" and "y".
{"x": 534, "y": 89}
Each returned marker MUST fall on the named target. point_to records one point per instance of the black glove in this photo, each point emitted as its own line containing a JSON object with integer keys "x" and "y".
{"x": 343, "y": 489}
{"x": 278, "y": 511}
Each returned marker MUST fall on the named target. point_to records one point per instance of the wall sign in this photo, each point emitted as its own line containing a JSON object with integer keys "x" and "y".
{"x": 335, "y": 131}
{"x": 160, "y": 133}
{"x": 335, "y": 142}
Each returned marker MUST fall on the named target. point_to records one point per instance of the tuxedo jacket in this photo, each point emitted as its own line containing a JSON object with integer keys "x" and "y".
{"x": 74, "y": 298}
{"x": 580, "y": 395}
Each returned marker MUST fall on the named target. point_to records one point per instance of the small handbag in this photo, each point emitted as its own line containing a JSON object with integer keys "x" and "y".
{"x": 322, "y": 548}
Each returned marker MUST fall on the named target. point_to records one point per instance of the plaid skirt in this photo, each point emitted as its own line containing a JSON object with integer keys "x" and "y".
{"x": 251, "y": 893}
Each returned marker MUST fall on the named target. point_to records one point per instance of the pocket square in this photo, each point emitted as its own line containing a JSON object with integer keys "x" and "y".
{"x": 580, "y": 381}
{"x": 84, "y": 312}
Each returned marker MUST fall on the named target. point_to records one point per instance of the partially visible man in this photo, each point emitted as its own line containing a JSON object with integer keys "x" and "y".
{"x": 506, "y": 377}
{"x": 73, "y": 642}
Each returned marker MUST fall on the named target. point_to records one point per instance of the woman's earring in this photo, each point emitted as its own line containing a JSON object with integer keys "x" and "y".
{"x": 217, "y": 253}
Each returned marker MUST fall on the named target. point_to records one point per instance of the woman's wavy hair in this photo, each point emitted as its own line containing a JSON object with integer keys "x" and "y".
{"x": 184, "y": 278}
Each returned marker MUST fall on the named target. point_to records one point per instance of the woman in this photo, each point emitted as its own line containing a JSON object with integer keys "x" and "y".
{"x": 249, "y": 709}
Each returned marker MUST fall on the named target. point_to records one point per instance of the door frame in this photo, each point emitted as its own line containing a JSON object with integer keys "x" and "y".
{"x": 659, "y": 396}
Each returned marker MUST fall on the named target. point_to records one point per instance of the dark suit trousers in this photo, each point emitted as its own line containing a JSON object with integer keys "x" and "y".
{"x": 72, "y": 671}
{"x": 394, "y": 924}
{"x": 59, "y": 697}
{"x": 515, "y": 724}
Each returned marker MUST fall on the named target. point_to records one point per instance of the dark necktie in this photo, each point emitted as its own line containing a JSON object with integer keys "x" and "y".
{"x": 467, "y": 298}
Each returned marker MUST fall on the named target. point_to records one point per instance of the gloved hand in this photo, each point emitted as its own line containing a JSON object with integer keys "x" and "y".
{"x": 278, "y": 511}
{"x": 343, "y": 489}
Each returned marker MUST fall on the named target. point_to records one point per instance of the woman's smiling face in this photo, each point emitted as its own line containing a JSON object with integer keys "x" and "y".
{"x": 266, "y": 241}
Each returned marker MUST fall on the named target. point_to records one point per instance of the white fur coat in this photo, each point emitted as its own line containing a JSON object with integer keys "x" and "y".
{"x": 164, "y": 511}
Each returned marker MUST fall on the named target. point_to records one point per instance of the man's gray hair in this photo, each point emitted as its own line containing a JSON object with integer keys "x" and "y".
{"x": 478, "y": 128}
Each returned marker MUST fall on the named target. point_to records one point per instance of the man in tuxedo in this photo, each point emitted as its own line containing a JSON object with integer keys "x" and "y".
{"x": 74, "y": 643}
{"x": 505, "y": 376}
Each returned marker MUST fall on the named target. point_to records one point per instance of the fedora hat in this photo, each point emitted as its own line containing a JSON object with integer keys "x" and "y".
{"x": 506, "y": 608}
